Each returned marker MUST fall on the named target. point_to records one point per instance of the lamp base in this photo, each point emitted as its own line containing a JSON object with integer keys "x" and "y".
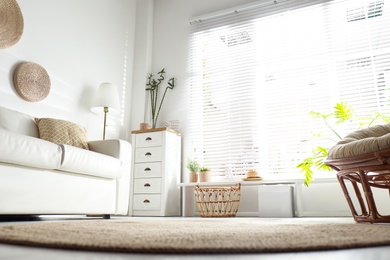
{"x": 105, "y": 124}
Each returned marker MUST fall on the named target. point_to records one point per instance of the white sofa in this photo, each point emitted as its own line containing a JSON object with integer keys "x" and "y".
{"x": 40, "y": 177}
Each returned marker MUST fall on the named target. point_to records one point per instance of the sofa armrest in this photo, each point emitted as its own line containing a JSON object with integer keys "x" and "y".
{"x": 114, "y": 147}
{"x": 122, "y": 150}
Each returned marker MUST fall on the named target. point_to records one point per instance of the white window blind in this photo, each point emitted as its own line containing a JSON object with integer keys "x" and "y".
{"x": 256, "y": 73}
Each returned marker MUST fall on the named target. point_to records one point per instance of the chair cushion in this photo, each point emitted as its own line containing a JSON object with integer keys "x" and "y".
{"x": 62, "y": 132}
{"x": 363, "y": 141}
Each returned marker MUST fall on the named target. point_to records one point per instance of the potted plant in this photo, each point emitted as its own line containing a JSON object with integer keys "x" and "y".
{"x": 193, "y": 167}
{"x": 153, "y": 86}
{"x": 204, "y": 174}
{"x": 342, "y": 114}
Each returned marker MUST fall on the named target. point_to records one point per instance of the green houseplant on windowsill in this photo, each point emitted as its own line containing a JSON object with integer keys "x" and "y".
{"x": 193, "y": 167}
{"x": 204, "y": 174}
{"x": 342, "y": 114}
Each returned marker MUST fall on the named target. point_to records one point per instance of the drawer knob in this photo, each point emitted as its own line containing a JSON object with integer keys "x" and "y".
{"x": 148, "y": 139}
{"x": 146, "y": 201}
{"x": 148, "y": 154}
{"x": 146, "y": 185}
{"x": 147, "y": 169}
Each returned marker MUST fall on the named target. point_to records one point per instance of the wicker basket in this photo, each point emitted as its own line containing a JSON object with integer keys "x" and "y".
{"x": 218, "y": 202}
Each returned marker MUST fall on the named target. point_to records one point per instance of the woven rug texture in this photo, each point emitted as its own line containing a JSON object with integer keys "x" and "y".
{"x": 196, "y": 236}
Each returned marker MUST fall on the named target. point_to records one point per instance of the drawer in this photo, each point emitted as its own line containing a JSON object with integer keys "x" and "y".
{"x": 148, "y": 154}
{"x": 147, "y": 170}
{"x": 148, "y": 139}
{"x": 146, "y": 202}
{"x": 151, "y": 185}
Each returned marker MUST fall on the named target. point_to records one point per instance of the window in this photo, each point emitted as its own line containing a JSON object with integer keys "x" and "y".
{"x": 257, "y": 72}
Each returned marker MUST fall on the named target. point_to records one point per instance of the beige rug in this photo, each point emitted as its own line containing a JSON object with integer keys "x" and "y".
{"x": 196, "y": 236}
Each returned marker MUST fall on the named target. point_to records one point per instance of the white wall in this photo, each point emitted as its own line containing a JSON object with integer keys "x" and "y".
{"x": 142, "y": 59}
{"x": 81, "y": 44}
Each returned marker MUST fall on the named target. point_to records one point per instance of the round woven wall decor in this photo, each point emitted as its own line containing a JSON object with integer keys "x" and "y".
{"x": 11, "y": 23}
{"x": 31, "y": 81}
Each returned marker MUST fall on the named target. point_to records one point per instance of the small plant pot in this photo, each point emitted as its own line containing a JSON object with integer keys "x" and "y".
{"x": 205, "y": 176}
{"x": 144, "y": 126}
{"x": 194, "y": 176}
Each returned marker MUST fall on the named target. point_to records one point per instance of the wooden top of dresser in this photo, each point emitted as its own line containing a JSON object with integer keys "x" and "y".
{"x": 155, "y": 130}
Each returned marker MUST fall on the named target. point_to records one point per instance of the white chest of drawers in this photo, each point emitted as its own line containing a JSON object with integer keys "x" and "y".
{"x": 155, "y": 173}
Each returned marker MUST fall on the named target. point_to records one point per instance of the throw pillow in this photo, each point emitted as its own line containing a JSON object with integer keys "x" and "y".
{"x": 62, "y": 132}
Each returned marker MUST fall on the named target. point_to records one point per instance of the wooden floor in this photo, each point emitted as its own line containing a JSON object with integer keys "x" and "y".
{"x": 33, "y": 253}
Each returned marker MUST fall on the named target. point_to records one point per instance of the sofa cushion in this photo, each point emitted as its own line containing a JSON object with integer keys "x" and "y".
{"x": 28, "y": 151}
{"x": 18, "y": 122}
{"x": 88, "y": 162}
{"x": 62, "y": 132}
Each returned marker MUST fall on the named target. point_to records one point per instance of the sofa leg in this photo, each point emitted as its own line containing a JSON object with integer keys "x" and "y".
{"x": 104, "y": 216}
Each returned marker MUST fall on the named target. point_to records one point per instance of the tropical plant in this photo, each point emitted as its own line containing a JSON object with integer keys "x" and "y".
{"x": 193, "y": 165}
{"x": 342, "y": 114}
{"x": 153, "y": 87}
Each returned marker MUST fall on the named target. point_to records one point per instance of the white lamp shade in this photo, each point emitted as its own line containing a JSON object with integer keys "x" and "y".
{"x": 106, "y": 96}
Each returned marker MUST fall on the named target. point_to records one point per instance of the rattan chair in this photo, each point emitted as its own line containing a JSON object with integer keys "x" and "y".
{"x": 362, "y": 159}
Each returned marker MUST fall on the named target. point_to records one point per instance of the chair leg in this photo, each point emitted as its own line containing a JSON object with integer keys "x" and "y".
{"x": 341, "y": 179}
{"x": 360, "y": 199}
{"x": 369, "y": 197}
{"x": 367, "y": 215}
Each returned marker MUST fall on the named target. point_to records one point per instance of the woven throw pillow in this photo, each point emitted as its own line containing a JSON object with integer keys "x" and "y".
{"x": 62, "y": 132}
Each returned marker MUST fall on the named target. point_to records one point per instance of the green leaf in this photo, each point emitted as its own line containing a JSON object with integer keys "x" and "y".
{"x": 305, "y": 167}
{"x": 382, "y": 117}
{"x": 315, "y": 114}
{"x": 343, "y": 112}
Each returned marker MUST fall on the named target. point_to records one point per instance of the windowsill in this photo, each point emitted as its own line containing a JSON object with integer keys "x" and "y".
{"x": 272, "y": 179}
